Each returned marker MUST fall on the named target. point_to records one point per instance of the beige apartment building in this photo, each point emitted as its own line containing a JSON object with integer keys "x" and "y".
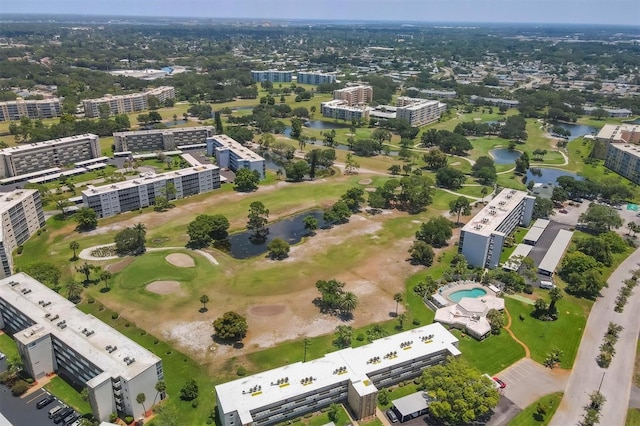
{"x": 162, "y": 139}
{"x": 34, "y": 109}
{"x": 418, "y": 111}
{"x": 123, "y": 104}
{"x": 355, "y": 95}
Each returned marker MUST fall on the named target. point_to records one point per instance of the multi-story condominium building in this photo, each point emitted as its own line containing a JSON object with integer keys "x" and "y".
{"x": 161, "y": 139}
{"x": 24, "y": 159}
{"x": 316, "y": 78}
{"x": 134, "y": 194}
{"x": 438, "y": 94}
{"x": 232, "y": 155}
{"x": 274, "y": 76}
{"x": 481, "y": 239}
{"x": 354, "y": 95}
{"x": 418, "y": 111}
{"x": 624, "y": 159}
{"x": 620, "y": 133}
{"x": 22, "y": 216}
{"x": 54, "y": 336}
{"x": 611, "y": 112}
{"x": 340, "y": 110}
{"x": 352, "y": 376}
{"x": 34, "y": 109}
{"x": 509, "y": 103}
{"x": 122, "y": 104}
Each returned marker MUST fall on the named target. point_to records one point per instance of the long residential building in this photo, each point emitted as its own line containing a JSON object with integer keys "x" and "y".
{"x": 233, "y": 155}
{"x": 437, "y": 94}
{"x": 54, "y": 336}
{"x": 274, "y": 76}
{"x": 33, "y": 108}
{"x": 316, "y": 78}
{"x": 340, "y": 110}
{"x": 351, "y": 376}
{"x": 29, "y": 158}
{"x": 417, "y": 111}
{"x": 122, "y": 104}
{"x": 22, "y": 216}
{"x": 110, "y": 200}
{"x": 161, "y": 139}
{"x": 481, "y": 239}
{"x": 354, "y": 95}
{"x": 624, "y": 159}
{"x": 620, "y": 133}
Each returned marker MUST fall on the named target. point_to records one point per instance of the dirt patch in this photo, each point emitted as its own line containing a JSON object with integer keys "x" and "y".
{"x": 181, "y": 260}
{"x": 164, "y": 287}
{"x": 455, "y": 163}
{"x": 119, "y": 265}
{"x": 266, "y": 310}
{"x": 370, "y": 189}
{"x": 365, "y": 181}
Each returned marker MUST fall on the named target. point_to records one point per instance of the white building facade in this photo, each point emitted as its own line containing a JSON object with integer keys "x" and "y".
{"x": 274, "y": 76}
{"x": 233, "y": 155}
{"x": 161, "y": 139}
{"x": 417, "y": 111}
{"x": 34, "y": 109}
{"x": 316, "y": 78}
{"x": 123, "y": 104}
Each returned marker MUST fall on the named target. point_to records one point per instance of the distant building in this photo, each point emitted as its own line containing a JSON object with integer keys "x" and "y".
{"x": 611, "y": 112}
{"x": 354, "y": 95}
{"x": 22, "y": 216}
{"x": 316, "y": 78}
{"x": 54, "y": 336}
{"x": 340, "y": 110}
{"x": 135, "y": 194}
{"x": 233, "y": 155}
{"x": 481, "y": 239}
{"x": 274, "y": 76}
{"x": 620, "y": 133}
{"x": 624, "y": 159}
{"x": 438, "y": 94}
{"x": 34, "y": 157}
{"x": 161, "y": 139}
{"x": 350, "y": 376}
{"x": 34, "y": 109}
{"x": 123, "y": 104}
{"x": 418, "y": 112}
{"x": 509, "y": 103}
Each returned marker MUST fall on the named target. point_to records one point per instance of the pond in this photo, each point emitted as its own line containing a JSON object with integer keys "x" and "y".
{"x": 325, "y": 125}
{"x": 240, "y": 246}
{"x": 504, "y": 156}
{"x": 548, "y": 175}
{"x": 175, "y": 123}
{"x": 576, "y": 130}
{"x": 636, "y": 121}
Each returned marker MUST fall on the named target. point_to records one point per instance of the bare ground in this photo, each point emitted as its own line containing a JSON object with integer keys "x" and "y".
{"x": 181, "y": 260}
{"x": 164, "y": 287}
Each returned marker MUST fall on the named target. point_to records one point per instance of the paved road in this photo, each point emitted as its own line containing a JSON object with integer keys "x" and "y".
{"x": 586, "y": 375}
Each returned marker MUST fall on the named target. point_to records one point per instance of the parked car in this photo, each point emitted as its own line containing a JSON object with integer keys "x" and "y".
{"x": 2, "y": 355}
{"x": 70, "y": 419}
{"x": 547, "y": 285}
{"x": 45, "y": 401}
{"x": 500, "y": 382}
{"x": 392, "y": 416}
{"x": 55, "y": 410}
{"x": 564, "y": 211}
{"x": 60, "y": 415}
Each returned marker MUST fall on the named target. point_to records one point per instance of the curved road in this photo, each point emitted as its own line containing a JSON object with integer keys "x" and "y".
{"x": 616, "y": 380}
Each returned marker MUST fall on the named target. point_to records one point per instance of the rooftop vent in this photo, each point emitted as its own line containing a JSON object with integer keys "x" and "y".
{"x": 26, "y": 290}
{"x": 13, "y": 283}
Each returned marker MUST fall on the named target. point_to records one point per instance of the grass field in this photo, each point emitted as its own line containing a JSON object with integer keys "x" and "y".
{"x": 68, "y": 394}
{"x": 8, "y": 346}
{"x": 633, "y": 417}
{"x": 529, "y": 416}
{"x": 636, "y": 369}
{"x": 491, "y": 355}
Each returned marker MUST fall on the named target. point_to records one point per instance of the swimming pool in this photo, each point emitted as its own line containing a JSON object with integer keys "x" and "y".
{"x": 475, "y": 292}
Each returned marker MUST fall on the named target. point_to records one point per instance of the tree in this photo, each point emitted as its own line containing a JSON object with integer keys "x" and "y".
{"x": 140, "y": 399}
{"x": 601, "y": 218}
{"x": 450, "y": 178}
{"x": 422, "y": 253}
{"x": 204, "y": 299}
{"x": 86, "y": 218}
{"x": 62, "y": 206}
{"x": 130, "y": 241}
{"x": 496, "y": 320}
{"x": 458, "y": 206}
{"x": 348, "y": 303}
{"x": 296, "y": 170}
{"x": 189, "y": 391}
{"x": 74, "y": 290}
{"x": 543, "y": 208}
{"x": 246, "y": 180}
{"x": 484, "y": 191}
{"x": 85, "y": 269}
{"x": 230, "y": 326}
{"x": 555, "y": 294}
{"x": 559, "y": 195}
{"x": 344, "y": 335}
{"x": 398, "y": 298}
{"x": 105, "y": 276}
{"x": 310, "y": 224}
{"x": 402, "y": 318}
{"x": 334, "y": 412}
{"x": 257, "y": 220}
{"x": 161, "y": 387}
{"x": 278, "y": 248}
{"x": 435, "y": 159}
{"x": 305, "y": 343}
{"x": 353, "y": 198}
{"x": 394, "y": 169}
{"x": 597, "y": 248}
{"x": 351, "y": 166}
{"x": 296, "y": 128}
{"x": 460, "y": 393}
{"x": 436, "y": 232}
{"x": 331, "y": 293}
{"x": 74, "y": 245}
{"x": 582, "y": 274}
{"x": 218, "y": 120}
{"x": 205, "y": 228}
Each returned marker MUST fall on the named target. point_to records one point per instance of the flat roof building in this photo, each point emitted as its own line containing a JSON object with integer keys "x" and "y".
{"x": 316, "y": 78}
{"x": 620, "y": 133}
{"x": 274, "y": 76}
{"x": 34, "y": 109}
{"x": 536, "y": 231}
{"x": 340, "y": 110}
{"x": 161, "y": 139}
{"x": 624, "y": 159}
{"x": 123, "y": 104}
{"x": 233, "y": 155}
{"x": 135, "y": 194}
{"x": 611, "y": 112}
{"x": 552, "y": 258}
{"x": 481, "y": 239}
{"x": 515, "y": 260}
{"x": 509, "y": 103}
{"x": 352, "y": 376}
{"x": 34, "y": 157}
{"x": 54, "y": 336}
{"x": 354, "y": 95}
{"x": 417, "y": 111}
{"x": 438, "y": 94}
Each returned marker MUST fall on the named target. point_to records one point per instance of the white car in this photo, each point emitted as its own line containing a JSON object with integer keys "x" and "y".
{"x": 2, "y": 356}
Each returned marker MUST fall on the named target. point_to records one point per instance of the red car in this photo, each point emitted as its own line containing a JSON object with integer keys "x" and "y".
{"x": 500, "y": 382}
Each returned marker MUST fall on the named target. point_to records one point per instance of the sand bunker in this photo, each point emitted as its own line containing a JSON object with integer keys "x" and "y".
{"x": 365, "y": 181}
{"x": 164, "y": 287}
{"x": 181, "y": 260}
{"x": 266, "y": 310}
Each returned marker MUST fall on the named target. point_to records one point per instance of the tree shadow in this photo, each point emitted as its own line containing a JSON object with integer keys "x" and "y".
{"x": 203, "y": 310}
{"x": 105, "y": 289}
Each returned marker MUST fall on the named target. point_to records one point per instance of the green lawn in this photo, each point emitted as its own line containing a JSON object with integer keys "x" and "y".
{"x": 633, "y": 417}
{"x": 8, "y": 346}
{"x": 491, "y": 355}
{"x": 321, "y": 418}
{"x": 68, "y": 394}
{"x": 529, "y": 416}
{"x": 636, "y": 370}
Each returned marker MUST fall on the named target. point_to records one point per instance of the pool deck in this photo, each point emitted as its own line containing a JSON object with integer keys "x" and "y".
{"x": 445, "y": 291}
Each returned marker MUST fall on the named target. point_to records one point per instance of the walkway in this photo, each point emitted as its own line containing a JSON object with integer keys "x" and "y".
{"x": 527, "y": 352}
{"x": 616, "y": 380}
{"x": 459, "y": 194}
{"x": 85, "y": 254}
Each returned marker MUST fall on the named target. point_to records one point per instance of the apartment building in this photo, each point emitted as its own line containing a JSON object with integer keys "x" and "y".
{"x": 417, "y": 111}
{"x": 624, "y": 159}
{"x": 161, "y": 139}
{"x": 22, "y": 216}
{"x": 316, "y": 78}
{"x": 339, "y": 110}
{"x": 437, "y": 94}
{"x": 233, "y": 155}
{"x": 481, "y": 239}
{"x": 611, "y": 112}
{"x": 34, "y": 157}
{"x": 123, "y": 104}
{"x": 354, "y": 95}
{"x": 620, "y": 133}
{"x": 508, "y": 103}
{"x": 135, "y": 194}
{"x": 34, "y": 109}
{"x": 54, "y": 336}
{"x": 351, "y": 376}
{"x": 274, "y": 76}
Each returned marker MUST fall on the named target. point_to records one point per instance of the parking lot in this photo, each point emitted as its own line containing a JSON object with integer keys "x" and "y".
{"x": 527, "y": 381}
{"x": 23, "y": 411}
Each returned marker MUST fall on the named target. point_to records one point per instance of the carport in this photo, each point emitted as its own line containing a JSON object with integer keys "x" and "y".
{"x": 411, "y": 406}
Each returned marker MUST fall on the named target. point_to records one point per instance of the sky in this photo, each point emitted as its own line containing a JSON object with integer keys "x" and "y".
{"x": 617, "y": 12}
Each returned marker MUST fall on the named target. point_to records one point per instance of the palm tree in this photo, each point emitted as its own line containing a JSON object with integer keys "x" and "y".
{"x": 141, "y": 231}
{"x": 345, "y": 333}
{"x": 402, "y": 318}
{"x": 484, "y": 191}
{"x": 74, "y": 289}
{"x": 140, "y": 399}
{"x": 555, "y": 294}
{"x": 86, "y": 269}
{"x": 160, "y": 386}
{"x": 204, "y": 299}
{"x": 349, "y": 302}
{"x": 306, "y": 343}
{"x": 105, "y": 276}
{"x": 398, "y": 298}
{"x": 74, "y": 245}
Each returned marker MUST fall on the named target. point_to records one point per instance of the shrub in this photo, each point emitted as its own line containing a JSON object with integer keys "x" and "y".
{"x": 91, "y": 300}
{"x": 128, "y": 420}
{"x": 20, "y": 248}
{"x": 528, "y": 289}
{"x": 194, "y": 403}
{"x": 19, "y": 387}
{"x": 29, "y": 380}
{"x": 360, "y": 337}
{"x": 416, "y": 322}
{"x": 113, "y": 417}
{"x": 5, "y": 376}
{"x": 241, "y": 371}
{"x": 114, "y": 316}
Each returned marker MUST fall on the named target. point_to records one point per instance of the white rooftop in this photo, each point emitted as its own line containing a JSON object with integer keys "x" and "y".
{"x": 617, "y": 132}
{"x": 541, "y": 223}
{"x": 150, "y": 92}
{"x": 86, "y": 334}
{"x": 339, "y": 103}
{"x": 487, "y": 220}
{"x": 550, "y": 261}
{"x": 52, "y": 142}
{"x": 241, "y": 152}
{"x": 412, "y": 403}
{"x": 269, "y": 387}
{"x": 163, "y": 131}
{"x": 628, "y": 148}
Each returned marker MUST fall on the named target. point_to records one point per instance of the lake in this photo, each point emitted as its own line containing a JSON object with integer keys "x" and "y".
{"x": 548, "y": 175}
{"x": 240, "y": 246}
{"x": 504, "y": 156}
{"x": 636, "y": 121}
{"x": 576, "y": 130}
{"x": 325, "y": 125}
